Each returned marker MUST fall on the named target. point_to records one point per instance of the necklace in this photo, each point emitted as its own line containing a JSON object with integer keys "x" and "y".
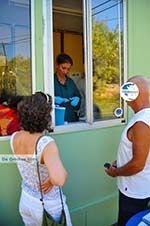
{"x": 62, "y": 80}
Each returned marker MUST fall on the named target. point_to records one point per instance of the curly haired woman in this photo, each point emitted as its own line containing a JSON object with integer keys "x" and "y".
{"x": 35, "y": 117}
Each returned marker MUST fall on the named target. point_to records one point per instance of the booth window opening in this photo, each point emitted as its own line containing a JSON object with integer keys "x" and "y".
{"x": 93, "y": 34}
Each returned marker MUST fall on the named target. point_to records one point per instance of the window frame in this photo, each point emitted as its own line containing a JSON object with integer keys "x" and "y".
{"x": 49, "y": 68}
{"x": 32, "y": 42}
{"x": 32, "y": 54}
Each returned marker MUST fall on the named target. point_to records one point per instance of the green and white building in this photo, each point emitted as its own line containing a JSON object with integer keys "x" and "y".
{"x": 109, "y": 41}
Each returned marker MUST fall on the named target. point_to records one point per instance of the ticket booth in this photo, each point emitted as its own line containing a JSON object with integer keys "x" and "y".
{"x": 108, "y": 42}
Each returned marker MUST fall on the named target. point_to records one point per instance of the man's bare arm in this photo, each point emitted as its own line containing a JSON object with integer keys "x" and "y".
{"x": 140, "y": 138}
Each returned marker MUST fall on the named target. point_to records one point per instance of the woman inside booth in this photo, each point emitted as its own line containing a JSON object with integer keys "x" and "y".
{"x": 66, "y": 92}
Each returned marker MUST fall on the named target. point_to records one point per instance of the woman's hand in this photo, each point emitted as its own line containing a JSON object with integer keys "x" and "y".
{"x": 46, "y": 186}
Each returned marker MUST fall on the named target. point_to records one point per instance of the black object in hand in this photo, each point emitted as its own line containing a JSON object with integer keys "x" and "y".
{"x": 107, "y": 165}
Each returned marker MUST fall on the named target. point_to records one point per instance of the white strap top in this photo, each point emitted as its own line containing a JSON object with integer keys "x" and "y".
{"x": 28, "y": 170}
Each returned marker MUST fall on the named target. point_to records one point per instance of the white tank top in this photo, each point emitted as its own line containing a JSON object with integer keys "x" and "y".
{"x": 137, "y": 185}
{"x": 28, "y": 172}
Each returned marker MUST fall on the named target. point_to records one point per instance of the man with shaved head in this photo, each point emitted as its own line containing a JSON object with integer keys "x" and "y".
{"x": 133, "y": 161}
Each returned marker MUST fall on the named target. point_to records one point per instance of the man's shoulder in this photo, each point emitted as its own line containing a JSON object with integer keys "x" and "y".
{"x": 142, "y": 116}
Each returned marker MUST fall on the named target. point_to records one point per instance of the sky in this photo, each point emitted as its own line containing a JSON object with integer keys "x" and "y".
{"x": 107, "y": 11}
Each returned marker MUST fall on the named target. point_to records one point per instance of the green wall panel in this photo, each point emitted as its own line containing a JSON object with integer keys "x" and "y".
{"x": 84, "y": 154}
{"x": 94, "y": 214}
{"x": 89, "y": 191}
{"x": 138, "y": 37}
{"x": 98, "y": 217}
{"x": 9, "y": 190}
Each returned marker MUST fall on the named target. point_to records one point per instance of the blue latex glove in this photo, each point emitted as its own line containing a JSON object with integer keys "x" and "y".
{"x": 59, "y": 100}
{"x": 74, "y": 101}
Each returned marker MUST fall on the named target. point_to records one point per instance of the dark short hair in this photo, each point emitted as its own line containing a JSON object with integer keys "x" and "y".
{"x": 64, "y": 58}
{"x": 4, "y": 96}
{"x": 34, "y": 112}
{"x": 13, "y": 101}
{"x": 10, "y": 100}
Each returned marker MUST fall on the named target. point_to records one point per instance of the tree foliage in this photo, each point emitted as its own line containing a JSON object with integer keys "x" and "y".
{"x": 15, "y": 77}
{"x": 105, "y": 46}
